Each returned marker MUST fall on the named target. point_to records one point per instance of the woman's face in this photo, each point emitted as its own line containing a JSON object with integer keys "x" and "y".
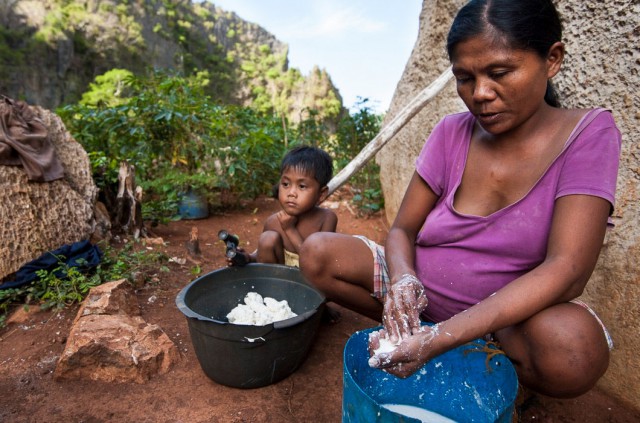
{"x": 502, "y": 87}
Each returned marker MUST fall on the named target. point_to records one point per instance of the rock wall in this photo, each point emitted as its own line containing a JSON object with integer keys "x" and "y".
{"x": 38, "y": 217}
{"x": 601, "y": 69}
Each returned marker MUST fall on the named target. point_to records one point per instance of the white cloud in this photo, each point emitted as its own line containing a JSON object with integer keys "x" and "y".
{"x": 348, "y": 19}
{"x": 333, "y": 23}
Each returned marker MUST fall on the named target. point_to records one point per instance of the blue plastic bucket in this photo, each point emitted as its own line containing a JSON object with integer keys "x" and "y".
{"x": 462, "y": 385}
{"x": 193, "y": 206}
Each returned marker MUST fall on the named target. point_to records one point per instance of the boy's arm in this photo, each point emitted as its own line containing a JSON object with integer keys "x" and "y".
{"x": 253, "y": 257}
{"x": 288, "y": 224}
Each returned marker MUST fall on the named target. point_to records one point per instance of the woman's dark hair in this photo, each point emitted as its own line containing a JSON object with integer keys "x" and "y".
{"x": 311, "y": 160}
{"x": 524, "y": 24}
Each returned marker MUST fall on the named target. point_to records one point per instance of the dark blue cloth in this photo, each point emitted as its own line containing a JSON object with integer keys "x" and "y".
{"x": 82, "y": 255}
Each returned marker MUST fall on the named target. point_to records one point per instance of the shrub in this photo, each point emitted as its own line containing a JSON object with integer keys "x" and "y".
{"x": 179, "y": 140}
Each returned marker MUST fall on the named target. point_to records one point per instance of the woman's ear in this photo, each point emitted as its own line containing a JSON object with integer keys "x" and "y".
{"x": 324, "y": 193}
{"x": 555, "y": 57}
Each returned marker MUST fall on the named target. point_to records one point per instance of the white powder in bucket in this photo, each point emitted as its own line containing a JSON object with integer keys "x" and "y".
{"x": 422, "y": 414}
{"x": 258, "y": 311}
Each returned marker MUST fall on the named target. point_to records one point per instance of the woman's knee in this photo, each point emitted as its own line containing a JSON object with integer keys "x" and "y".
{"x": 560, "y": 352}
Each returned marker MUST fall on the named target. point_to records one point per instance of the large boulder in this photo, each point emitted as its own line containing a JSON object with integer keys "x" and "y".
{"x": 601, "y": 69}
{"x": 36, "y": 217}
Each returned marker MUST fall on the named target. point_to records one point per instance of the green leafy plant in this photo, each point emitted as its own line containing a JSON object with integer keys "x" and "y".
{"x": 354, "y": 133}
{"x": 178, "y": 141}
{"x": 369, "y": 201}
{"x": 126, "y": 262}
{"x": 196, "y": 270}
{"x": 64, "y": 285}
{"x": 108, "y": 89}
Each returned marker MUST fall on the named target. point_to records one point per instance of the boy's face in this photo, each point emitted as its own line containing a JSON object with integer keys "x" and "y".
{"x": 298, "y": 192}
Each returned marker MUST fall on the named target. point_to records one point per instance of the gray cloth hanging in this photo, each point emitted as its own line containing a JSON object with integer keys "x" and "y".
{"x": 24, "y": 141}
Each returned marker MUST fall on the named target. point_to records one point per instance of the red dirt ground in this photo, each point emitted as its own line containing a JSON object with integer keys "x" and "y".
{"x": 29, "y": 350}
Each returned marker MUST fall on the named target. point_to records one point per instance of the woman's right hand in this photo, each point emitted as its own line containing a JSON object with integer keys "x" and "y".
{"x": 402, "y": 307}
{"x": 408, "y": 356}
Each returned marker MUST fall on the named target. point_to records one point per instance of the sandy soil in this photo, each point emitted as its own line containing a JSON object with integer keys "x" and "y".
{"x": 30, "y": 348}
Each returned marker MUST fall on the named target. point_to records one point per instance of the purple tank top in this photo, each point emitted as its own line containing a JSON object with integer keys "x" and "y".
{"x": 462, "y": 259}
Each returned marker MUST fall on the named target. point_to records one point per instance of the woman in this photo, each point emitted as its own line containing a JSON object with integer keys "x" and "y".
{"x": 503, "y": 220}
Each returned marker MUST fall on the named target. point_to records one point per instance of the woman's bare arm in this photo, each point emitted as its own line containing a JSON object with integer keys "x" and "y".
{"x": 576, "y": 237}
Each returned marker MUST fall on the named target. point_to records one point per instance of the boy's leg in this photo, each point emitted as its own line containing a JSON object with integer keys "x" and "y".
{"x": 270, "y": 248}
{"x": 341, "y": 266}
{"x": 560, "y": 352}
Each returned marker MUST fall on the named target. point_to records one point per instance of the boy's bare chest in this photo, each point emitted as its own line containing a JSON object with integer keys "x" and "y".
{"x": 304, "y": 227}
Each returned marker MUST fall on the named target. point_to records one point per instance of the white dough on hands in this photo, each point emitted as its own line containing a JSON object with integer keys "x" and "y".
{"x": 385, "y": 346}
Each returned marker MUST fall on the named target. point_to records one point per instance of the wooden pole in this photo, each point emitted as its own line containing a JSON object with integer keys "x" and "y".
{"x": 390, "y": 130}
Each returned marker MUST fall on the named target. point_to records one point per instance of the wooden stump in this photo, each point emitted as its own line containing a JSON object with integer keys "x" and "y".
{"x": 129, "y": 203}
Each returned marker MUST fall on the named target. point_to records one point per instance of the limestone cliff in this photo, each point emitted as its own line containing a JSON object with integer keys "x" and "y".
{"x": 50, "y": 50}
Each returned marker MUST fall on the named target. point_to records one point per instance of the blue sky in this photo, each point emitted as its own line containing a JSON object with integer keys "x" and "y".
{"x": 364, "y": 45}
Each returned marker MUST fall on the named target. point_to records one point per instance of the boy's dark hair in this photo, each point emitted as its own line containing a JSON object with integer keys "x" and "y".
{"x": 525, "y": 24}
{"x": 310, "y": 160}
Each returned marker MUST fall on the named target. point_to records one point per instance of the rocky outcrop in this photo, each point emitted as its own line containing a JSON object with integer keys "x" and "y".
{"x": 110, "y": 342}
{"x": 50, "y": 51}
{"x": 601, "y": 69}
{"x": 36, "y": 217}
{"x": 427, "y": 61}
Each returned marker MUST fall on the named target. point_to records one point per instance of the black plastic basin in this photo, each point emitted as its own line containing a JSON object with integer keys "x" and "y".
{"x": 246, "y": 356}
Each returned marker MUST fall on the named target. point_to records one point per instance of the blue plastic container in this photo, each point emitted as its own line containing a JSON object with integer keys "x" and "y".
{"x": 465, "y": 387}
{"x": 193, "y": 206}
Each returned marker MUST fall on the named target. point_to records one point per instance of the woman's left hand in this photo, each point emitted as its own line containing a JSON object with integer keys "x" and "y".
{"x": 403, "y": 305}
{"x": 408, "y": 356}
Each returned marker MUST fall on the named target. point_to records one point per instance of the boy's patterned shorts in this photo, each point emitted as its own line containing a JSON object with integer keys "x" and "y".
{"x": 381, "y": 278}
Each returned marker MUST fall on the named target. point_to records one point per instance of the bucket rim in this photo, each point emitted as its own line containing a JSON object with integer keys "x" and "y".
{"x": 280, "y": 324}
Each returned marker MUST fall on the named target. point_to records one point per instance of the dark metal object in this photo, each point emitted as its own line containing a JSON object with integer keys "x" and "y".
{"x": 231, "y": 242}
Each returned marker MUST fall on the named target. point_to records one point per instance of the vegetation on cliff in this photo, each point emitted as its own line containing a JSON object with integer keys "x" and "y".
{"x": 51, "y": 50}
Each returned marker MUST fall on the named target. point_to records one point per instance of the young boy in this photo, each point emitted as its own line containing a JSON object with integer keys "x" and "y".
{"x": 304, "y": 174}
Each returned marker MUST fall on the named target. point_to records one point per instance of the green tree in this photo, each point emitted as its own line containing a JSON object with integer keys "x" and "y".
{"x": 108, "y": 89}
